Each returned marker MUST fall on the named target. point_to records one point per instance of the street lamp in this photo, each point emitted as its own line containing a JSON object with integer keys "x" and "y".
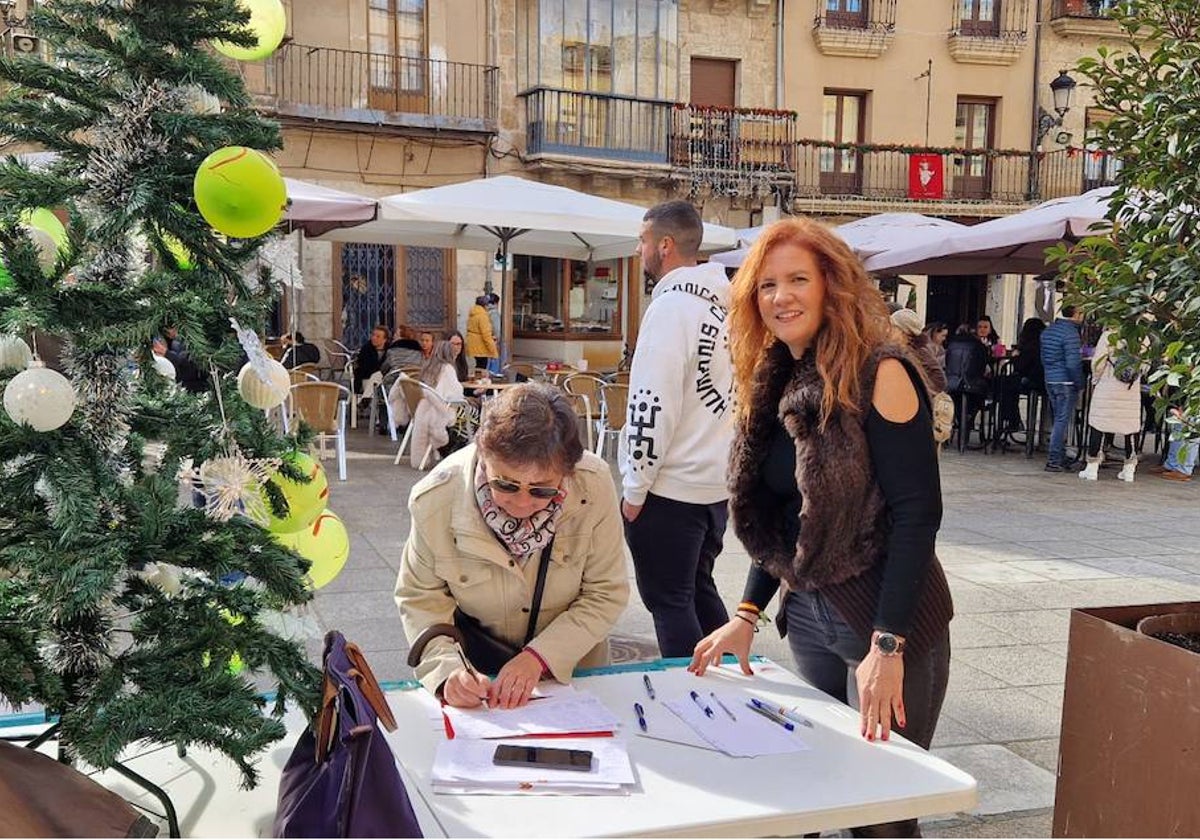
{"x": 1061, "y": 89}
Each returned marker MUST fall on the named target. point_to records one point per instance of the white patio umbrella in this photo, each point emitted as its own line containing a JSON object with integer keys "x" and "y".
{"x": 1013, "y": 244}
{"x": 866, "y": 237}
{"x": 512, "y": 215}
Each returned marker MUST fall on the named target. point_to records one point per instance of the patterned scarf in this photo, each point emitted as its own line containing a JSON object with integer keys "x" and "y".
{"x": 522, "y": 537}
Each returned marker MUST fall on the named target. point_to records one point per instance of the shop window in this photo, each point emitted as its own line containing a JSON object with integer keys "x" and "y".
{"x": 566, "y": 297}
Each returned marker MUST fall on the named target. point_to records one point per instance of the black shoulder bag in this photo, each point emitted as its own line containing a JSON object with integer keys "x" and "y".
{"x": 487, "y": 653}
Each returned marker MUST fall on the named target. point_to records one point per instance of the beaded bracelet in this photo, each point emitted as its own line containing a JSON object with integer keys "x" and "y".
{"x": 751, "y": 622}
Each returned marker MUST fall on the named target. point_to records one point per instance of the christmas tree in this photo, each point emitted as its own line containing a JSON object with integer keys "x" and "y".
{"x": 139, "y": 598}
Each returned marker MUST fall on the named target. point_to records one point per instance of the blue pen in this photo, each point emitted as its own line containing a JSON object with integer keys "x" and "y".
{"x": 780, "y": 711}
{"x": 771, "y": 716}
{"x": 649, "y": 688}
{"x": 641, "y": 713}
{"x": 773, "y": 712}
{"x": 700, "y": 703}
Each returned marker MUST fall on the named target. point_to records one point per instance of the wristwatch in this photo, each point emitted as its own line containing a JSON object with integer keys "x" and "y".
{"x": 888, "y": 644}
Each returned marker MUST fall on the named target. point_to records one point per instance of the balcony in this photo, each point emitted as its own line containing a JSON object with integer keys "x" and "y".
{"x": 350, "y": 87}
{"x": 853, "y": 178}
{"x": 997, "y": 40}
{"x": 1083, "y": 18}
{"x": 858, "y": 29}
{"x": 716, "y": 146}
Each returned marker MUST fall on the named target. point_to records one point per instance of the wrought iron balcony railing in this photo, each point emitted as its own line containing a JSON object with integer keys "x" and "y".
{"x": 622, "y": 128}
{"x": 967, "y": 176}
{"x": 348, "y": 86}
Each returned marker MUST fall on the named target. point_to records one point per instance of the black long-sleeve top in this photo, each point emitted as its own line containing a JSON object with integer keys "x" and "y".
{"x": 911, "y": 486}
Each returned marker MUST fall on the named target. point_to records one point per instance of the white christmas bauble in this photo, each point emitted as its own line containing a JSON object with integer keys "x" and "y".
{"x": 264, "y": 395}
{"x": 40, "y": 398}
{"x": 163, "y": 365}
{"x": 14, "y": 353}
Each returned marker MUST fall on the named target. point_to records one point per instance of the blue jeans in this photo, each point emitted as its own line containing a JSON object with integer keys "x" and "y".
{"x": 1187, "y": 463}
{"x": 827, "y": 652}
{"x": 1062, "y": 407}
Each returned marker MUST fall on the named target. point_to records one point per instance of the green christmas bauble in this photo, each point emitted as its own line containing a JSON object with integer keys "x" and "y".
{"x": 305, "y": 501}
{"x": 240, "y": 192}
{"x": 268, "y": 22}
{"x": 325, "y": 543}
{"x": 5, "y": 278}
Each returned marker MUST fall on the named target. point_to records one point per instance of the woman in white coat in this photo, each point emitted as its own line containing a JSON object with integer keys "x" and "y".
{"x": 1116, "y": 408}
{"x": 433, "y": 416}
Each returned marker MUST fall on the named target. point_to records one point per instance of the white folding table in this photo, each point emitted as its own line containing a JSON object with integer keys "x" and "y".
{"x": 840, "y": 781}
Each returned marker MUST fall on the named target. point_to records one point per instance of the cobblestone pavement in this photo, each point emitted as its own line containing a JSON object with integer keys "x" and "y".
{"x": 1021, "y": 549}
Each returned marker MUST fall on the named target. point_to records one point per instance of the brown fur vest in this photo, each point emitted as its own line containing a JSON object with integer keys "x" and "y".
{"x": 843, "y": 518}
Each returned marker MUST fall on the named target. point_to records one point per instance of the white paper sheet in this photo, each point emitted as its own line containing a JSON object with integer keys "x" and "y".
{"x": 749, "y": 735}
{"x": 560, "y": 713}
{"x": 466, "y": 766}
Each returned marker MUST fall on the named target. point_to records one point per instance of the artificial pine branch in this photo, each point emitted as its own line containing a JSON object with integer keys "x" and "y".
{"x": 85, "y": 510}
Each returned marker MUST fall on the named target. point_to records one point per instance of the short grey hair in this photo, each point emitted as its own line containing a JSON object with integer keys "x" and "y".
{"x": 679, "y": 220}
{"x": 531, "y": 423}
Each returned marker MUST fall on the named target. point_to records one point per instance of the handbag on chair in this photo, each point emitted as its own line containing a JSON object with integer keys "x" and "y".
{"x": 341, "y": 779}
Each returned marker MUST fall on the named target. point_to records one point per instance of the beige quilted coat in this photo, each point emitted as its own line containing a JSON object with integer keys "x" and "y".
{"x": 1116, "y": 406}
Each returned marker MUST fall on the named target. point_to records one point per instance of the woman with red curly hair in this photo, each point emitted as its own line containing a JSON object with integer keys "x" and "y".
{"x": 834, "y": 487}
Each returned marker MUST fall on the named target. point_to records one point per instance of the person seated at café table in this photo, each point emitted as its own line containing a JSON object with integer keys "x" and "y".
{"x": 298, "y": 351}
{"x": 967, "y": 369}
{"x": 481, "y": 523}
{"x": 369, "y": 358}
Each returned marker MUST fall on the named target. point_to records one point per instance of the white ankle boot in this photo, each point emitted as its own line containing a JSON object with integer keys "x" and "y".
{"x": 1130, "y": 466}
{"x": 1092, "y": 471}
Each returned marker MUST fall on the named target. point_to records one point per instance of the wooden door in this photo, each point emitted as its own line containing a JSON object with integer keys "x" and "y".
{"x": 842, "y": 122}
{"x": 398, "y": 60}
{"x": 974, "y": 128}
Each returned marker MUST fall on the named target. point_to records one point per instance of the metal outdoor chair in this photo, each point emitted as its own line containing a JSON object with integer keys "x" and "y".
{"x": 322, "y": 406}
{"x": 303, "y": 373}
{"x": 414, "y": 391}
{"x": 614, "y": 401}
{"x": 588, "y": 386}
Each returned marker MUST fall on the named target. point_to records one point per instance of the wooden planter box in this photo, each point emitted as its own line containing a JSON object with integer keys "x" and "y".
{"x": 1129, "y": 755}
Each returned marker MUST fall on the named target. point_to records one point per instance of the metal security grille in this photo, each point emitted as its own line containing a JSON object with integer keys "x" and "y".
{"x": 425, "y": 287}
{"x": 368, "y": 290}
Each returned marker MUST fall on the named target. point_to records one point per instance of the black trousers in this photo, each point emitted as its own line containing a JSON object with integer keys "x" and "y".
{"x": 674, "y": 545}
{"x": 827, "y": 653}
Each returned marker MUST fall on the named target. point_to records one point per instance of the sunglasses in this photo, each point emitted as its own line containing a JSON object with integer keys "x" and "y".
{"x": 509, "y": 487}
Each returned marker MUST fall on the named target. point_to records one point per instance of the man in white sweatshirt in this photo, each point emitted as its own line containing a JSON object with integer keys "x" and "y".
{"x": 675, "y": 444}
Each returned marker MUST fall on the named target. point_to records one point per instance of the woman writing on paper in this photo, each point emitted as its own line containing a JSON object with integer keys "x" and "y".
{"x": 834, "y": 486}
{"x": 524, "y": 493}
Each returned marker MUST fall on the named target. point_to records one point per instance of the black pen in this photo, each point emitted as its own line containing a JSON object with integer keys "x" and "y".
{"x": 649, "y": 688}
{"x": 470, "y": 670}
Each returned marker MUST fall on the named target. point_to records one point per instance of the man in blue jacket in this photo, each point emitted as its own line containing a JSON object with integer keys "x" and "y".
{"x": 1063, "y": 365}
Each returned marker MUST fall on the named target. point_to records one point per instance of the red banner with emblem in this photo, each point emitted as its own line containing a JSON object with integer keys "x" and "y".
{"x": 926, "y": 177}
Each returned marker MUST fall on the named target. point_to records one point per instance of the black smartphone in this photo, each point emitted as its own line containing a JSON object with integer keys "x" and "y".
{"x": 511, "y": 755}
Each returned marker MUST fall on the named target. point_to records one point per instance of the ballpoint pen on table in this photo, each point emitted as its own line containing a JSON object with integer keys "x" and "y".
{"x": 641, "y": 715}
{"x": 696, "y": 697}
{"x": 769, "y": 715}
{"x": 780, "y": 711}
{"x": 649, "y": 688}
{"x": 722, "y": 705}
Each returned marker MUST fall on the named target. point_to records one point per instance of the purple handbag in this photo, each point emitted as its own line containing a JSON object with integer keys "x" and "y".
{"x": 342, "y": 779}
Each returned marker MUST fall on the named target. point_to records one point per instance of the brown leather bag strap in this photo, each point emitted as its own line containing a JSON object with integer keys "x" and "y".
{"x": 369, "y": 686}
{"x": 326, "y": 718}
